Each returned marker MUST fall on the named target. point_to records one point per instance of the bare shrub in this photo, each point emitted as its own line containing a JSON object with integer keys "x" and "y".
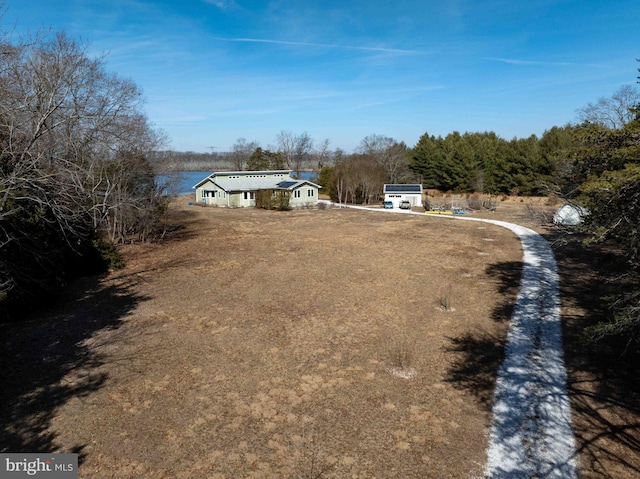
{"x": 306, "y": 206}
{"x": 552, "y": 199}
{"x": 439, "y": 203}
{"x": 400, "y": 355}
{"x": 537, "y": 214}
{"x": 475, "y": 201}
{"x": 312, "y": 463}
{"x": 489, "y": 202}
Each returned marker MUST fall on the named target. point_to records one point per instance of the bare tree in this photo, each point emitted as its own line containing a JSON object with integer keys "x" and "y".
{"x": 322, "y": 154}
{"x": 369, "y": 176}
{"x": 613, "y": 112}
{"x": 286, "y": 145}
{"x": 294, "y": 148}
{"x": 358, "y": 178}
{"x": 388, "y": 153}
{"x": 70, "y": 135}
{"x": 344, "y": 179}
{"x": 302, "y": 150}
{"x": 241, "y": 152}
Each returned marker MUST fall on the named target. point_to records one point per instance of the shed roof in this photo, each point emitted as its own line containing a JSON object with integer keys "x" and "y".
{"x": 403, "y": 188}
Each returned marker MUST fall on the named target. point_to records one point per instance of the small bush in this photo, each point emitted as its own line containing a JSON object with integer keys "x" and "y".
{"x": 489, "y": 202}
{"x": 283, "y": 201}
{"x": 445, "y": 300}
{"x": 400, "y": 353}
{"x": 109, "y": 254}
{"x": 273, "y": 200}
{"x": 475, "y": 201}
{"x": 312, "y": 462}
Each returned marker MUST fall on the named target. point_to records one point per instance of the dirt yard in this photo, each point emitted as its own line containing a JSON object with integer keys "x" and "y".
{"x": 257, "y": 344}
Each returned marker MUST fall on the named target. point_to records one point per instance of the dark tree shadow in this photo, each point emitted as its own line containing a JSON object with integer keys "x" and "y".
{"x": 476, "y": 368}
{"x": 604, "y": 378}
{"x": 40, "y": 354}
{"x": 508, "y": 275}
{"x": 481, "y": 353}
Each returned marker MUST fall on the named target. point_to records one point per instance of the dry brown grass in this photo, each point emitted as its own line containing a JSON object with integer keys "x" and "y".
{"x": 267, "y": 345}
{"x": 302, "y": 344}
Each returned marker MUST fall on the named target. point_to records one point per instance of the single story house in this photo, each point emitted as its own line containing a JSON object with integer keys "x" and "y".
{"x": 238, "y": 188}
{"x": 409, "y": 192}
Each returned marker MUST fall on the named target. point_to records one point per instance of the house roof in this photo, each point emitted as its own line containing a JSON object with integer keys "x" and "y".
{"x": 254, "y": 180}
{"x": 404, "y": 188}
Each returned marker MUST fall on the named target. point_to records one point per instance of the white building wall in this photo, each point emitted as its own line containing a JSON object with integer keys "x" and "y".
{"x": 396, "y": 198}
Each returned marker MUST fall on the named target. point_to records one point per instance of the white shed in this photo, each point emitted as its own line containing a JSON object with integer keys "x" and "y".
{"x": 409, "y": 192}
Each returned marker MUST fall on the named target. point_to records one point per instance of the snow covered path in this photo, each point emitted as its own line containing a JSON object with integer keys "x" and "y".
{"x": 531, "y": 436}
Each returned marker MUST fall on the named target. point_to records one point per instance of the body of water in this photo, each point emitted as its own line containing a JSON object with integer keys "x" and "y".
{"x": 182, "y": 182}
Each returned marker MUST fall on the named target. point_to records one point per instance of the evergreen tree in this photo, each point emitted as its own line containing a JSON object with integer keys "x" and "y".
{"x": 263, "y": 160}
{"x": 608, "y": 163}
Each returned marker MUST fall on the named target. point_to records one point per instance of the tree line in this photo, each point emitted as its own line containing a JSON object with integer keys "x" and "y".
{"x": 74, "y": 174}
{"x": 294, "y": 151}
{"x": 594, "y": 163}
{"x": 79, "y": 162}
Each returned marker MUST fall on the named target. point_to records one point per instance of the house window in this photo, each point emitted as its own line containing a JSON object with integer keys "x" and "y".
{"x": 249, "y": 195}
{"x": 296, "y": 194}
{"x": 309, "y": 193}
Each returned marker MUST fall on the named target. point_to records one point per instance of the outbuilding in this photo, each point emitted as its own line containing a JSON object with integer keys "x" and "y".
{"x": 403, "y": 192}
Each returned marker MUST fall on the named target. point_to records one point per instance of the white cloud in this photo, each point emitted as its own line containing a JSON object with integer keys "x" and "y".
{"x": 514, "y": 61}
{"x": 221, "y": 4}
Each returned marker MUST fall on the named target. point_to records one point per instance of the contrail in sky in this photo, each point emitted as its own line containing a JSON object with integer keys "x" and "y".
{"x": 322, "y": 45}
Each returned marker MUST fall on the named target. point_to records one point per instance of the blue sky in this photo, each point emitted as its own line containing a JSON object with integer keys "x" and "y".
{"x": 214, "y": 71}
